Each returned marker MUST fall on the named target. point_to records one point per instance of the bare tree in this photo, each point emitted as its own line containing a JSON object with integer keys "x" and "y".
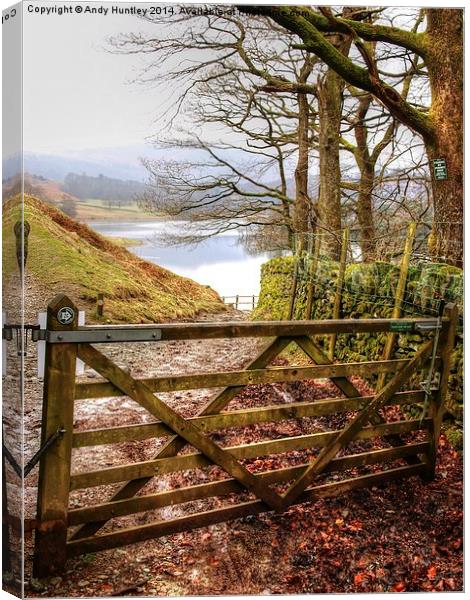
{"x": 376, "y": 131}
{"x": 236, "y": 91}
{"x": 439, "y": 46}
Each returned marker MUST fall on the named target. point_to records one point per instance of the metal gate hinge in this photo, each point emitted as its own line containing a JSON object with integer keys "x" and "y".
{"x": 36, "y": 332}
{"x": 22, "y": 330}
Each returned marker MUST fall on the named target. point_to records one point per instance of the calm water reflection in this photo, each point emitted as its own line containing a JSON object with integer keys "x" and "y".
{"x": 218, "y": 262}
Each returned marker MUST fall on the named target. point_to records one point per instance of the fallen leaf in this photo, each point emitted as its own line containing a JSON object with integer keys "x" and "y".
{"x": 355, "y": 526}
{"x": 432, "y": 571}
{"x": 339, "y": 522}
{"x": 359, "y": 578}
{"x": 399, "y": 587}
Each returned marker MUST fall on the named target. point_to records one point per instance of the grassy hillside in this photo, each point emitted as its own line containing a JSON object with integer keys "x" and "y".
{"x": 66, "y": 256}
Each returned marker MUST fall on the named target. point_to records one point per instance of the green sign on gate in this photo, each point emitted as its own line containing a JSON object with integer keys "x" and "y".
{"x": 401, "y": 326}
{"x": 439, "y": 168}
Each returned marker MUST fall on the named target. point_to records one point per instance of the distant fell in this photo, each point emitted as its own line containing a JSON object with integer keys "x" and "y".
{"x": 49, "y": 190}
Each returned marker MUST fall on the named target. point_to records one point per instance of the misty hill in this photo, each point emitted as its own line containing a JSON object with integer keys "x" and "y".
{"x": 115, "y": 191}
{"x": 57, "y": 166}
{"x": 75, "y": 187}
{"x": 66, "y": 256}
{"x": 35, "y": 185}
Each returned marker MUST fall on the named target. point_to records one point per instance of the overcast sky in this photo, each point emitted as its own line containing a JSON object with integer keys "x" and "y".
{"x": 77, "y": 95}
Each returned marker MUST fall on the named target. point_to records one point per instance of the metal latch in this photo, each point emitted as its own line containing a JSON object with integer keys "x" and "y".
{"x": 431, "y": 384}
{"x": 428, "y": 326}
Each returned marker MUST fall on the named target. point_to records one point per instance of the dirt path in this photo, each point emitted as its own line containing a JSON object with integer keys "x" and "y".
{"x": 403, "y": 537}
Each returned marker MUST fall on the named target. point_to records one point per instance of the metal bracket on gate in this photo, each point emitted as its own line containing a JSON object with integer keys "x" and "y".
{"x": 103, "y": 335}
{"x": 35, "y": 458}
{"x": 86, "y": 335}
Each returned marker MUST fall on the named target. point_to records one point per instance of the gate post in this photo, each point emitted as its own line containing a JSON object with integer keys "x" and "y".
{"x": 54, "y": 468}
{"x": 438, "y": 399}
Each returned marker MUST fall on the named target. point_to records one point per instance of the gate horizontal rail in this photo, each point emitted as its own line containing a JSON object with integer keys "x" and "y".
{"x": 197, "y": 460}
{"x": 63, "y": 532}
{"x": 105, "y": 334}
{"x": 118, "y": 508}
{"x": 237, "y": 418}
{"x": 177, "y": 383}
{"x": 211, "y": 517}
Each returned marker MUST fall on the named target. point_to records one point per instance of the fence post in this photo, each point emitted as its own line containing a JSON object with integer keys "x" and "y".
{"x": 438, "y": 399}
{"x": 399, "y": 295}
{"x": 100, "y": 305}
{"x": 295, "y": 273}
{"x": 54, "y": 469}
{"x": 339, "y": 290}
{"x": 312, "y": 275}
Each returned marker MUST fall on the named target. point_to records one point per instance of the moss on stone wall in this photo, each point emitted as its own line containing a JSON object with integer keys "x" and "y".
{"x": 368, "y": 292}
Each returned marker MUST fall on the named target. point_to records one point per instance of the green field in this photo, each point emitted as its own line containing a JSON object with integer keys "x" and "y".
{"x": 94, "y": 209}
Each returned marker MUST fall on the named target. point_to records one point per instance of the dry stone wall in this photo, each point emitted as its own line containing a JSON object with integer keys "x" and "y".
{"x": 368, "y": 292}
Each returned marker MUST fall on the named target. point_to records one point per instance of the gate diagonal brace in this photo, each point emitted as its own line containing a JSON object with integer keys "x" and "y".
{"x": 350, "y": 431}
{"x": 175, "y": 444}
{"x": 312, "y": 350}
{"x": 35, "y": 458}
{"x": 184, "y": 428}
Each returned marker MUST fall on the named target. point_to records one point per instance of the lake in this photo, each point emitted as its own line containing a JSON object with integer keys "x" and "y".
{"x": 219, "y": 262}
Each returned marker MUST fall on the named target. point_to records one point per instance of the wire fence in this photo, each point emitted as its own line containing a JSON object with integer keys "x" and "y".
{"x": 329, "y": 278}
{"x": 395, "y": 274}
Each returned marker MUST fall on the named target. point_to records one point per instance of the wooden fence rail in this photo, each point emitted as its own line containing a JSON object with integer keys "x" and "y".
{"x": 63, "y": 532}
{"x": 238, "y": 300}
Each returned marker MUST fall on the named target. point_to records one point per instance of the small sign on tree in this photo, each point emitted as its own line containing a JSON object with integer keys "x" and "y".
{"x": 439, "y": 168}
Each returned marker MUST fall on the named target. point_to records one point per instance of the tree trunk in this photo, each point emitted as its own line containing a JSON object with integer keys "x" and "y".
{"x": 290, "y": 234}
{"x": 303, "y": 204}
{"x": 330, "y": 107}
{"x": 330, "y": 103}
{"x": 365, "y": 213}
{"x": 366, "y": 166}
{"x": 445, "y": 66}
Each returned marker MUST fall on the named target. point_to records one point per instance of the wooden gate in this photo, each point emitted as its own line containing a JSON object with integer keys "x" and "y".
{"x": 64, "y": 532}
